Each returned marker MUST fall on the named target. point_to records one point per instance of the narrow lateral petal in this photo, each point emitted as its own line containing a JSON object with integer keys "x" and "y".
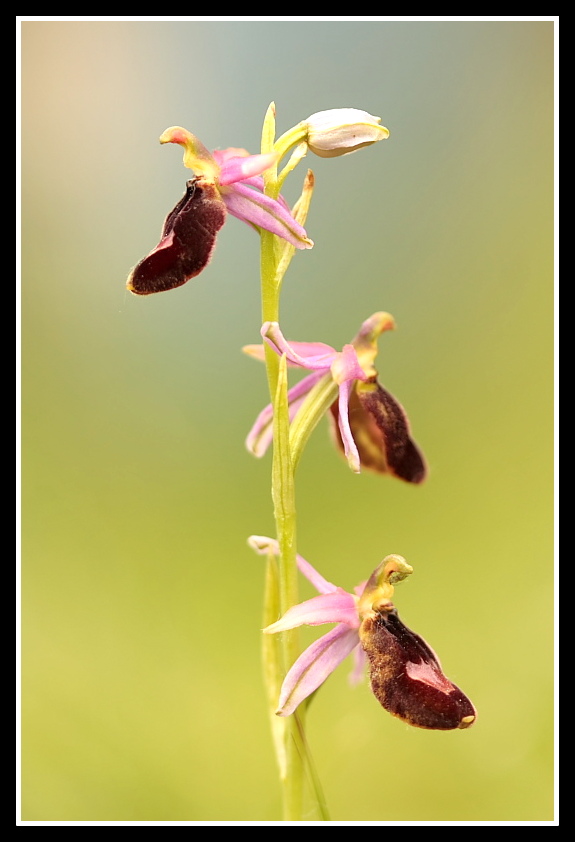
{"x": 315, "y": 350}
{"x": 316, "y": 579}
{"x": 255, "y": 351}
{"x": 346, "y": 437}
{"x": 258, "y": 182}
{"x": 260, "y": 436}
{"x": 257, "y": 209}
{"x": 239, "y": 169}
{"x": 380, "y": 429}
{"x": 339, "y": 606}
{"x": 315, "y": 665}
{"x": 263, "y": 545}
{"x": 316, "y": 356}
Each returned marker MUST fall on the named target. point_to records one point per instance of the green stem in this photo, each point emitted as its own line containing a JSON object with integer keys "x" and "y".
{"x": 283, "y": 495}
{"x": 270, "y": 292}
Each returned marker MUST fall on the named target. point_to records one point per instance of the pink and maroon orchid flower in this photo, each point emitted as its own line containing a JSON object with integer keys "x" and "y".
{"x": 405, "y": 673}
{"x": 227, "y": 180}
{"x": 369, "y": 425}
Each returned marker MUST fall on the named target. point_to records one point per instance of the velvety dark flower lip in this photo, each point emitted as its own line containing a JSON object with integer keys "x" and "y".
{"x": 405, "y": 673}
{"x": 406, "y": 676}
{"x": 187, "y": 243}
{"x": 227, "y": 180}
{"x": 369, "y": 425}
{"x": 381, "y": 431}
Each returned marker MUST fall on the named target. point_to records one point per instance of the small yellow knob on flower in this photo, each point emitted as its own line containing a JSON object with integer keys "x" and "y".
{"x": 342, "y": 130}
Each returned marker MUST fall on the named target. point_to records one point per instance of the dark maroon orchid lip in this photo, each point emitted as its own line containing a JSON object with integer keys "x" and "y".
{"x": 381, "y": 431}
{"x": 188, "y": 240}
{"x": 407, "y": 679}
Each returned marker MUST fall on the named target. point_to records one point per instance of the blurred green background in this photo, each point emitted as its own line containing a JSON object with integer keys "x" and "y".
{"x": 142, "y": 691}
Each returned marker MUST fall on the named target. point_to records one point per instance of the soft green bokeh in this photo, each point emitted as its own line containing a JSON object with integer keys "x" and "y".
{"x": 142, "y": 694}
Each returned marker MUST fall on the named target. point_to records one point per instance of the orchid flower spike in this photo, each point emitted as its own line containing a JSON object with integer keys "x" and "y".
{"x": 405, "y": 673}
{"x": 228, "y": 180}
{"x": 369, "y": 425}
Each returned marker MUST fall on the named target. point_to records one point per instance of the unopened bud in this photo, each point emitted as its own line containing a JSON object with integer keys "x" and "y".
{"x": 342, "y": 130}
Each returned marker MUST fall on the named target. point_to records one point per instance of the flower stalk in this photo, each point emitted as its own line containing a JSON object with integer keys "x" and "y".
{"x": 282, "y": 591}
{"x": 275, "y": 257}
{"x": 283, "y": 496}
{"x": 286, "y": 739}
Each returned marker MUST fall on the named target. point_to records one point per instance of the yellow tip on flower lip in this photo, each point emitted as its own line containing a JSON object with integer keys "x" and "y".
{"x": 467, "y": 721}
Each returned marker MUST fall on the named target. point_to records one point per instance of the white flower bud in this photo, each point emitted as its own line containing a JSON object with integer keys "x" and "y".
{"x": 342, "y": 130}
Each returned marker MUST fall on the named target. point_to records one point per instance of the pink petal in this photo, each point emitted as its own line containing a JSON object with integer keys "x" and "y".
{"x": 314, "y": 665}
{"x": 316, "y": 579}
{"x": 261, "y": 434}
{"x": 346, "y": 366}
{"x": 223, "y": 155}
{"x": 258, "y": 351}
{"x": 263, "y": 545}
{"x": 337, "y": 606}
{"x": 238, "y": 169}
{"x": 316, "y": 352}
{"x": 258, "y": 182}
{"x": 257, "y": 209}
{"x": 349, "y": 445}
{"x": 318, "y": 357}
{"x": 255, "y": 351}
